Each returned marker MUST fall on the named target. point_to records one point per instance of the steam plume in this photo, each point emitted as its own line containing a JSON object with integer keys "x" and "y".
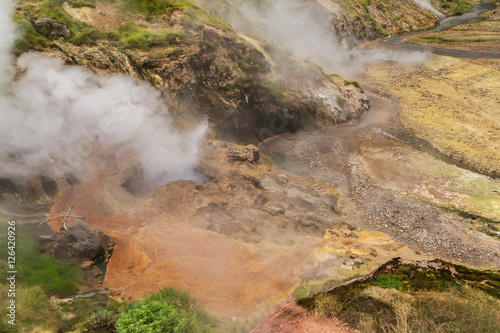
{"x": 305, "y": 29}
{"x": 8, "y": 35}
{"x": 426, "y": 4}
{"x": 70, "y": 117}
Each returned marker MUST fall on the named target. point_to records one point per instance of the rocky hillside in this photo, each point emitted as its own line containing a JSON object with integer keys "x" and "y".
{"x": 247, "y": 89}
{"x": 351, "y": 20}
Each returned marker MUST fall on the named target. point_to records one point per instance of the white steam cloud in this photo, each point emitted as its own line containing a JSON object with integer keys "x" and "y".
{"x": 8, "y": 35}
{"x": 305, "y": 29}
{"x": 426, "y": 4}
{"x": 77, "y": 120}
{"x": 295, "y": 27}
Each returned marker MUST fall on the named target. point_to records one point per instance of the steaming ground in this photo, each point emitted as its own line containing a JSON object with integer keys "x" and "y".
{"x": 426, "y": 4}
{"x": 75, "y": 120}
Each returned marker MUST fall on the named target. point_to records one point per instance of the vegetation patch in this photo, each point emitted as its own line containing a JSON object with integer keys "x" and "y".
{"x": 354, "y": 83}
{"x": 439, "y": 40}
{"x": 81, "y": 33}
{"x": 404, "y": 296}
{"x": 131, "y": 36}
{"x": 31, "y": 39}
{"x": 169, "y": 310}
{"x": 454, "y": 7}
{"x": 82, "y": 3}
{"x": 34, "y": 269}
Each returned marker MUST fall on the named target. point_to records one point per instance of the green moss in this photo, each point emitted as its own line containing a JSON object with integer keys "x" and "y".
{"x": 428, "y": 296}
{"x": 439, "y": 40}
{"x": 195, "y": 16}
{"x": 276, "y": 92}
{"x": 130, "y": 35}
{"x": 169, "y": 310}
{"x": 30, "y": 39}
{"x": 455, "y": 7}
{"x": 82, "y": 3}
{"x": 389, "y": 281}
{"x": 154, "y": 7}
{"x": 80, "y": 32}
{"x": 354, "y": 83}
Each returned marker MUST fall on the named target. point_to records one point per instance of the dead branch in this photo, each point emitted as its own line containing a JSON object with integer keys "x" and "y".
{"x": 55, "y": 217}
{"x": 65, "y": 218}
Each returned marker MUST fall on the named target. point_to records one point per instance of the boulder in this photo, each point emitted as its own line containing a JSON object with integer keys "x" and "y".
{"x": 81, "y": 243}
{"x": 46, "y": 26}
{"x": 59, "y": 30}
{"x": 248, "y": 153}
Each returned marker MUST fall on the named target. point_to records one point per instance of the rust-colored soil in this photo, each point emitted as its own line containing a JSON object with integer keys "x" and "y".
{"x": 240, "y": 243}
{"x": 292, "y": 318}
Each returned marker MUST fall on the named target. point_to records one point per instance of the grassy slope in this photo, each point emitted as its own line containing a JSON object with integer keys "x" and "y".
{"x": 402, "y": 296}
{"x": 128, "y": 33}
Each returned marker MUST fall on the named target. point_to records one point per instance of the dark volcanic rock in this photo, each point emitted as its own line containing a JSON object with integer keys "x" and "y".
{"x": 80, "y": 243}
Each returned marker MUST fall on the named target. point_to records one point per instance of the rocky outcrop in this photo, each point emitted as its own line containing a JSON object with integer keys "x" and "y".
{"x": 248, "y": 153}
{"x": 352, "y": 21}
{"x": 84, "y": 246}
{"x": 46, "y": 26}
{"x": 81, "y": 243}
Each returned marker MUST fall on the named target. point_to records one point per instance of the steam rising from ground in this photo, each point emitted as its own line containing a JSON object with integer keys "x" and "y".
{"x": 426, "y": 4}
{"x": 70, "y": 117}
{"x": 8, "y": 34}
{"x": 305, "y": 29}
{"x": 297, "y": 28}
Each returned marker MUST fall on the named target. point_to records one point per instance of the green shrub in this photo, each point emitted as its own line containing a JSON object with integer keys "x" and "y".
{"x": 101, "y": 321}
{"x": 169, "y": 310}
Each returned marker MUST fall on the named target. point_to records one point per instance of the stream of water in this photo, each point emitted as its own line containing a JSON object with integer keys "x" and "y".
{"x": 396, "y": 42}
